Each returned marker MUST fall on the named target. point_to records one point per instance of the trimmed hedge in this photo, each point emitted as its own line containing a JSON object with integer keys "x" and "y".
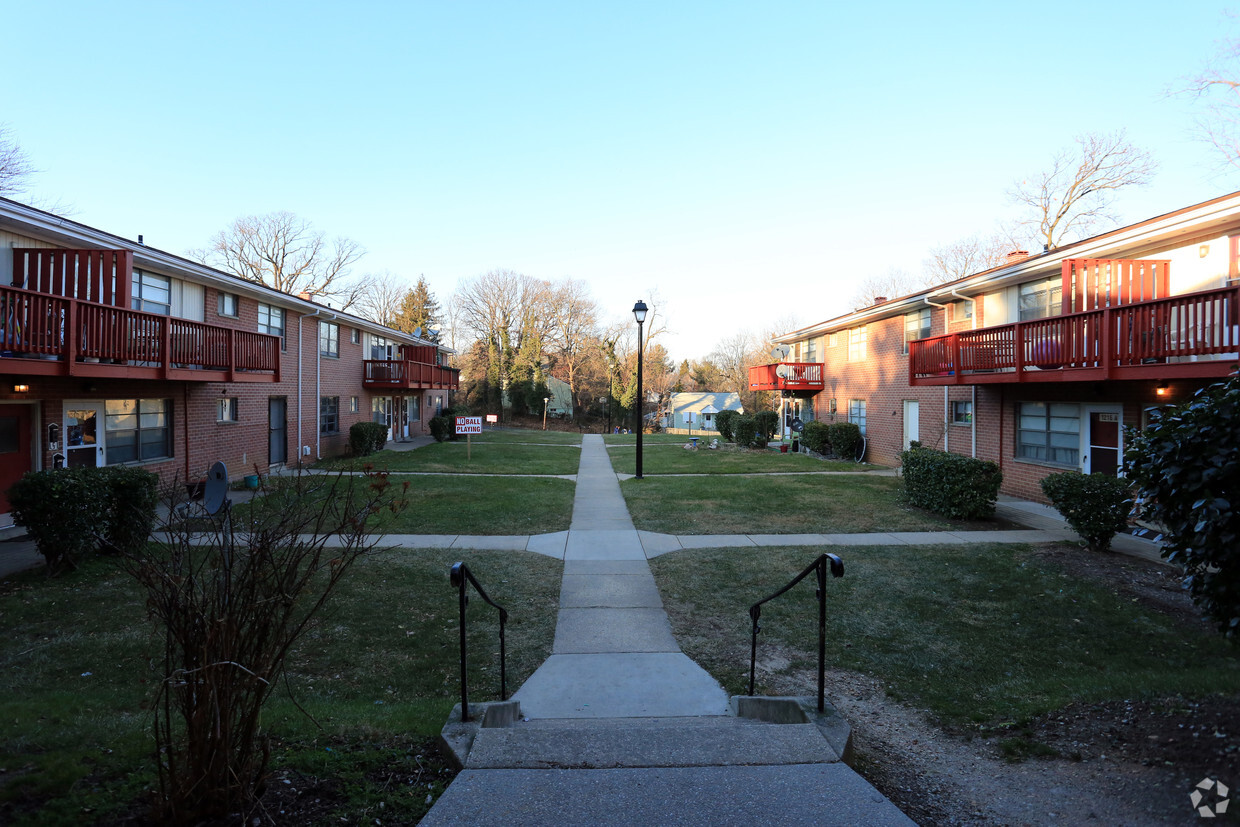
{"x": 1096, "y": 506}
{"x": 766, "y": 423}
{"x": 367, "y": 437}
{"x": 66, "y": 512}
{"x": 845, "y": 439}
{"x": 958, "y": 487}
{"x": 743, "y": 431}
{"x": 725, "y": 424}
{"x": 442, "y": 427}
{"x": 816, "y": 437}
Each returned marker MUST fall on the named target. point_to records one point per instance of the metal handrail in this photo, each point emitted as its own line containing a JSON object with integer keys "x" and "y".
{"x": 755, "y": 611}
{"x": 459, "y": 576}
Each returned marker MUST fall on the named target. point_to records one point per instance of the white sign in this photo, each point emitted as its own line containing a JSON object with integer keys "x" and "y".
{"x": 492, "y": 419}
{"x": 469, "y": 425}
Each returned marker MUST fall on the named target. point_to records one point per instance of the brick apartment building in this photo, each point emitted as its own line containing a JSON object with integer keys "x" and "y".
{"x": 115, "y": 352}
{"x": 1036, "y": 364}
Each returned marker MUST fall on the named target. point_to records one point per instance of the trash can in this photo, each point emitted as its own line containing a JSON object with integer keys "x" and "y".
{"x": 251, "y": 481}
{"x": 783, "y": 449}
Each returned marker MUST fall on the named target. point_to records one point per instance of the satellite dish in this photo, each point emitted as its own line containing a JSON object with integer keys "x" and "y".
{"x": 417, "y": 333}
{"x": 782, "y": 371}
{"x": 780, "y": 351}
{"x": 213, "y": 497}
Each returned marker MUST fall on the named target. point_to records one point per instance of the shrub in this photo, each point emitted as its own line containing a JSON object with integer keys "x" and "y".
{"x": 816, "y": 437}
{"x": 766, "y": 423}
{"x": 845, "y": 439}
{"x": 743, "y": 431}
{"x": 61, "y": 511}
{"x": 1096, "y": 506}
{"x": 367, "y": 437}
{"x": 1186, "y": 468}
{"x": 958, "y": 487}
{"x": 725, "y": 423}
{"x": 130, "y": 497}
{"x": 442, "y": 427}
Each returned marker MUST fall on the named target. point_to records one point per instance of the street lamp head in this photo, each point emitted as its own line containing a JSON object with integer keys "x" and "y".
{"x": 639, "y": 311}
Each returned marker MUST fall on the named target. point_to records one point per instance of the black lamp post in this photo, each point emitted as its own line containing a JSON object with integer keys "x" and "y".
{"x": 639, "y": 313}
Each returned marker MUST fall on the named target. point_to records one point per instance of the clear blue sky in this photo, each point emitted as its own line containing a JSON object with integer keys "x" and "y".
{"x": 747, "y": 161}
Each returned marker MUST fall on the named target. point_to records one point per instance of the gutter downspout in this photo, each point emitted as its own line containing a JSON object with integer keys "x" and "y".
{"x": 947, "y": 421}
{"x": 972, "y": 388}
{"x": 318, "y": 376}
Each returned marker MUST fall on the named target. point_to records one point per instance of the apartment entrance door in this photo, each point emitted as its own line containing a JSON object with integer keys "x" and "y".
{"x": 1103, "y": 439}
{"x": 277, "y": 430}
{"x": 15, "y": 454}
{"x": 912, "y": 421}
{"x": 83, "y": 434}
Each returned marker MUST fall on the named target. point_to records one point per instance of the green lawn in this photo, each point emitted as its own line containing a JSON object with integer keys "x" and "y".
{"x": 481, "y": 457}
{"x": 979, "y": 635}
{"x": 523, "y": 435}
{"x": 774, "y": 505}
{"x": 672, "y": 458}
{"x": 379, "y": 675}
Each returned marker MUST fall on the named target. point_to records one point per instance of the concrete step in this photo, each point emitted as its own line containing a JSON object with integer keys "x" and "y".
{"x": 826, "y": 795}
{"x": 631, "y": 742}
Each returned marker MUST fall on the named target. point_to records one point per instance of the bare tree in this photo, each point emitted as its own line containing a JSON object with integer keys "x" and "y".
{"x": 287, "y": 253}
{"x": 15, "y": 166}
{"x": 1073, "y": 198}
{"x": 966, "y": 256}
{"x": 890, "y": 284}
{"x": 574, "y": 328}
{"x": 1218, "y": 86}
{"x": 381, "y": 302}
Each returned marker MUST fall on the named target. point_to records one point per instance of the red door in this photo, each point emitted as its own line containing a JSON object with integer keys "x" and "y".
{"x": 14, "y": 448}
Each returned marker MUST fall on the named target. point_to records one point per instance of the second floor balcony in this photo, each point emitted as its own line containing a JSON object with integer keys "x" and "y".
{"x": 406, "y": 374}
{"x": 51, "y": 335}
{"x": 1190, "y": 335}
{"x": 805, "y": 377}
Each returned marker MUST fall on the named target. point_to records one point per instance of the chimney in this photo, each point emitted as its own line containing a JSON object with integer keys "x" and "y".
{"x": 140, "y": 239}
{"x": 304, "y": 295}
{"x": 1016, "y": 255}
{"x": 880, "y": 299}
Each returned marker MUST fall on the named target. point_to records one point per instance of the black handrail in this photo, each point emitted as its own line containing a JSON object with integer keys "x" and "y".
{"x": 755, "y": 611}
{"x": 459, "y": 576}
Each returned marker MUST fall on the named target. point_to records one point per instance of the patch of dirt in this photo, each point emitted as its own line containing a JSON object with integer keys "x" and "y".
{"x": 1121, "y": 762}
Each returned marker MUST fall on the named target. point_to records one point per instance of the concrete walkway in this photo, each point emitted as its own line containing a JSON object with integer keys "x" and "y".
{"x": 614, "y": 655}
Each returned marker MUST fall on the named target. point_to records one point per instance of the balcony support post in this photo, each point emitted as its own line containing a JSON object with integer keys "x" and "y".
{"x": 1109, "y": 333}
{"x": 232, "y": 357}
{"x": 1018, "y": 350}
{"x": 71, "y": 338}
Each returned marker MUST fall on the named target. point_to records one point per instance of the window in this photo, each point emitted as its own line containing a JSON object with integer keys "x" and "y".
{"x": 329, "y": 339}
{"x": 226, "y": 409}
{"x": 856, "y": 413}
{"x": 354, "y": 405}
{"x": 856, "y": 344}
{"x": 833, "y": 340}
{"x": 151, "y": 293}
{"x": 1039, "y": 299}
{"x": 271, "y": 321}
{"x": 381, "y": 410}
{"x": 962, "y": 413}
{"x": 137, "y": 429}
{"x": 962, "y": 310}
{"x": 811, "y": 351}
{"x": 1049, "y": 432}
{"x": 228, "y": 304}
{"x": 329, "y": 414}
{"x": 916, "y": 326}
{"x": 355, "y": 336}
{"x": 380, "y": 348}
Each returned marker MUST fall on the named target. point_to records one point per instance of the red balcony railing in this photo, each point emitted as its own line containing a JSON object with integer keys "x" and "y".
{"x": 54, "y": 335}
{"x": 404, "y": 374}
{"x": 1195, "y": 334}
{"x": 786, "y": 376}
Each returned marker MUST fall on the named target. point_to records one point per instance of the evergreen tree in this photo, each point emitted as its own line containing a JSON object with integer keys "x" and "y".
{"x": 420, "y": 309}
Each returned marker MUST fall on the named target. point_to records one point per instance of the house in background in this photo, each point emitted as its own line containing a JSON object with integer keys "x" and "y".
{"x": 696, "y": 411}
{"x": 561, "y": 404}
{"x": 114, "y": 352}
{"x": 1037, "y": 364}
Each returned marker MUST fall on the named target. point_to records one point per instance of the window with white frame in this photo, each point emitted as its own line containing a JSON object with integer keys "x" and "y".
{"x": 962, "y": 310}
{"x": 1049, "y": 432}
{"x": 355, "y": 336}
{"x": 856, "y": 344}
{"x": 962, "y": 412}
{"x": 381, "y": 410}
{"x": 271, "y": 321}
{"x": 152, "y": 293}
{"x": 1039, "y": 299}
{"x": 137, "y": 429}
{"x": 354, "y": 405}
{"x": 228, "y": 304}
{"x": 856, "y": 413}
{"x": 226, "y": 409}
{"x": 381, "y": 348}
{"x": 811, "y": 351}
{"x": 833, "y": 340}
{"x": 916, "y": 326}
{"x": 329, "y": 339}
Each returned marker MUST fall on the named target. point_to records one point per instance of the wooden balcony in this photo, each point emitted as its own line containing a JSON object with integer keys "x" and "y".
{"x": 805, "y": 377}
{"x": 1191, "y": 335}
{"x": 404, "y": 374}
{"x": 50, "y": 335}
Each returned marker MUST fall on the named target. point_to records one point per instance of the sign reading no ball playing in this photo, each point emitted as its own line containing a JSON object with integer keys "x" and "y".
{"x": 469, "y": 425}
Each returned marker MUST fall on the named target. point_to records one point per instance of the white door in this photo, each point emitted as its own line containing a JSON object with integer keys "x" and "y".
{"x": 83, "y": 434}
{"x": 912, "y": 421}
{"x": 1102, "y": 439}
